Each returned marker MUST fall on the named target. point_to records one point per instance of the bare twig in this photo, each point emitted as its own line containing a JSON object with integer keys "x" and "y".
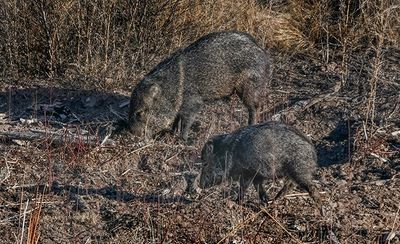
{"x": 301, "y": 194}
{"x": 392, "y": 233}
{"x": 23, "y": 221}
{"x": 280, "y": 225}
{"x": 55, "y": 138}
{"x": 33, "y": 228}
{"x": 7, "y": 220}
{"x": 298, "y": 108}
{"x": 379, "y": 157}
{"x": 4, "y": 173}
{"x": 140, "y": 148}
{"x": 239, "y": 226}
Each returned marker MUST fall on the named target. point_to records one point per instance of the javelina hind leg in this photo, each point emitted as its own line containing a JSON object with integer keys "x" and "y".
{"x": 312, "y": 190}
{"x": 307, "y": 185}
{"x": 258, "y": 184}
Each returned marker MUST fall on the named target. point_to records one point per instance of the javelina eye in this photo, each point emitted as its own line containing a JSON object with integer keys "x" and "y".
{"x": 139, "y": 114}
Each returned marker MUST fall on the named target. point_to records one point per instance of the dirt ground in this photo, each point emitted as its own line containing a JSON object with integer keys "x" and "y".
{"x": 137, "y": 192}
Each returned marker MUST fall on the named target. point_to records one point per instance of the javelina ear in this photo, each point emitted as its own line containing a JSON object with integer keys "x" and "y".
{"x": 154, "y": 90}
{"x": 207, "y": 152}
{"x": 209, "y": 147}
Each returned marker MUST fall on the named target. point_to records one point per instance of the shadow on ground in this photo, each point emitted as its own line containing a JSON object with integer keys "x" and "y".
{"x": 335, "y": 148}
{"x": 109, "y": 192}
{"x": 62, "y": 105}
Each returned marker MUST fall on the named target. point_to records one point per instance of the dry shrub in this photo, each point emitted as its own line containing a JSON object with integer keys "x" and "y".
{"x": 120, "y": 39}
{"x": 271, "y": 28}
{"x": 344, "y": 22}
{"x": 112, "y": 41}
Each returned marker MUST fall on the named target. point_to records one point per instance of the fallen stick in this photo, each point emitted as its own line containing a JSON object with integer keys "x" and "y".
{"x": 302, "y": 105}
{"x": 55, "y": 138}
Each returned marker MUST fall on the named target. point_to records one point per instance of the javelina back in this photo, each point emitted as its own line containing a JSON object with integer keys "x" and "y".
{"x": 213, "y": 67}
{"x": 260, "y": 152}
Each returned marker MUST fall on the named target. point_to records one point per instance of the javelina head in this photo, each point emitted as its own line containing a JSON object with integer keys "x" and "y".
{"x": 214, "y": 162}
{"x": 141, "y": 109}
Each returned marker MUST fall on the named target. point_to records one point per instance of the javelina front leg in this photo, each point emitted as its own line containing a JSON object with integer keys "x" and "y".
{"x": 243, "y": 185}
{"x": 252, "y": 114}
{"x": 258, "y": 184}
{"x": 188, "y": 114}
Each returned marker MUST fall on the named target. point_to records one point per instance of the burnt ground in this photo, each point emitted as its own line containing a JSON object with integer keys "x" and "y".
{"x": 137, "y": 192}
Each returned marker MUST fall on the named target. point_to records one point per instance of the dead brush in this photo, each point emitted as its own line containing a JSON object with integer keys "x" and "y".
{"x": 271, "y": 27}
{"x": 369, "y": 142}
{"x": 311, "y": 18}
{"x": 34, "y": 220}
{"x": 382, "y": 34}
{"x": 111, "y": 42}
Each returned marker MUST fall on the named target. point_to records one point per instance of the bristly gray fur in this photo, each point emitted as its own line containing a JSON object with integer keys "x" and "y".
{"x": 215, "y": 66}
{"x": 260, "y": 152}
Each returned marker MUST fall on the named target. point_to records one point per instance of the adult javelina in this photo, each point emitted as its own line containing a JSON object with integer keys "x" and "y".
{"x": 256, "y": 153}
{"x": 213, "y": 67}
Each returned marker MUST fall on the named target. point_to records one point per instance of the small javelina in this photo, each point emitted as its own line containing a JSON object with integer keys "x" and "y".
{"x": 215, "y": 66}
{"x": 260, "y": 152}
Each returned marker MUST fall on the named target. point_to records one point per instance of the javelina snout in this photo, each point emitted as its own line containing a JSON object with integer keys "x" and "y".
{"x": 141, "y": 117}
{"x": 214, "y": 67}
{"x": 215, "y": 167}
{"x": 257, "y": 153}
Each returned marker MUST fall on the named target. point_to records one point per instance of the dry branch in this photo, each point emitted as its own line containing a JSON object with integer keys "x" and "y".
{"x": 287, "y": 114}
{"x": 54, "y": 138}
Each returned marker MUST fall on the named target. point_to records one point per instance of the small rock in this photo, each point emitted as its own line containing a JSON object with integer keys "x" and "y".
{"x": 395, "y": 133}
{"x": 28, "y": 121}
{"x": 62, "y": 116}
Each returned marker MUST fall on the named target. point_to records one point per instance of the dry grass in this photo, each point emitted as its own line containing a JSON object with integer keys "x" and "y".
{"x": 106, "y": 43}
{"x": 34, "y": 221}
